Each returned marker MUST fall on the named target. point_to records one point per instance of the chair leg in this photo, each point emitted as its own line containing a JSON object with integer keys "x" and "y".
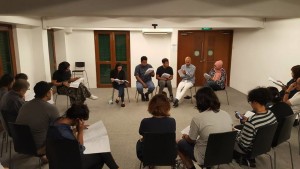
{"x": 55, "y": 98}
{"x": 10, "y": 163}
{"x": 274, "y": 149}
{"x": 40, "y": 163}
{"x": 87, "y": 80}
{"x": 156, "y": 89}
{"x": 3, "y": 139}
{"x": 227, "y": 97}
{"x": 191, "y": 95}
{"x": 137, "y": 96}
{"x": 141, "y": 165}
{"x": 271, "y": 161}
{"x": 291, "y": 155}
{"x": 128, "y": 95}
{"x": 113, "y": 94}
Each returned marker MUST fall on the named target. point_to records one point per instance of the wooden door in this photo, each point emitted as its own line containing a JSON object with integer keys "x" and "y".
{"x": 204, "y": 47}
{"x": 111, "y": 47}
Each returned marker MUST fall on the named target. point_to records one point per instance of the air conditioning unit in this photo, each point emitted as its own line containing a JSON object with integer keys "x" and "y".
{"x": 156, "y": 31}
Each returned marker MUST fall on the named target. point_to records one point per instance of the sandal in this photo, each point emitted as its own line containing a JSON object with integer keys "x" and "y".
{"x": 123, "y": 105}
{"x": 117, "y": 101}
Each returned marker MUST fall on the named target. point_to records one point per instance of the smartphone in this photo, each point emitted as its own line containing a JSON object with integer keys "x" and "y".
{"x": 238, "y": 115}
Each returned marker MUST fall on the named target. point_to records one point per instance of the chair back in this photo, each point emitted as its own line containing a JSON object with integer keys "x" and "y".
{"x": 263, "y": 140}
{"x": 219, "y": 148}
{"x": 159, "y": 149}
{"x": 22, "y": 139}
{"x": 80, "y": 65}
{"x": 63, "y": 154}
{"x": 4, "y": 123}
{"x": 284, "y": 129}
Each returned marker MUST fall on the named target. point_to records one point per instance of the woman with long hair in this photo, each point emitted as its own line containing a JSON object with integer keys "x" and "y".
{"x": 118, "y": 79}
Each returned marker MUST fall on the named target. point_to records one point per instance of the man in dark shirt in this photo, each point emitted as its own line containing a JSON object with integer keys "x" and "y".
{"x": 12, "y": 101}
{"x": 164, "y": 75}
{"x": 144, "y": 76}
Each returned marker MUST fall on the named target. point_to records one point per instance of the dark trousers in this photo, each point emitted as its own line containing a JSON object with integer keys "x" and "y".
{"x": 120, "y": 88}
{"x": 213, "y": 85}
{"x": 96, "y": 161}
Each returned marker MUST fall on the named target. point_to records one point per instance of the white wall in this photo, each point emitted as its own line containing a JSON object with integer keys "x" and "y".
{"x": 155, "y": 47}
{"x": 271, "y": 51}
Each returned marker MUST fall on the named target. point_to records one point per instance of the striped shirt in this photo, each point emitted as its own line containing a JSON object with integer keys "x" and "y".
{"x": 247, "y": 135}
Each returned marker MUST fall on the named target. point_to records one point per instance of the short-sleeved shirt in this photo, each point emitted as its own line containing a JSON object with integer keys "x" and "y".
{"x": 158, "y": 125}
{"x": 161, "y": 70}
{"x": 60, "y": 76}
{"x": 38, "y": 114}
{"x": 10, "y": 104}
{"x": 295, "y": 102}
{"x": 140, "y": 72}
{"x": 206, "y": 123}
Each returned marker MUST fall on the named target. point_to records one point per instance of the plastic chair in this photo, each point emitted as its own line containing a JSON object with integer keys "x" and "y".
{"x": 219, "y": 149}
{"x": 262, "y": 142}
{"x": 159, "y": 149}
{"x": 63, "y": 154}
{"x": 23, "y": 141}
{"x": 80, "y": 70}
{"x": 59, "y": 94}
{"x": 284, "y": 133}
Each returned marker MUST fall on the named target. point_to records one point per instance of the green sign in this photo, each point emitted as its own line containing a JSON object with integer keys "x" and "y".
{"x": 206, "y": 29}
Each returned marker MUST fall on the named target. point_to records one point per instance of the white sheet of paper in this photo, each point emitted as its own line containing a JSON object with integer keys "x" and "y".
{"x": 165, "y": 75}
{"x": 95, "y": 139}
{"x": 275, "y": 82}
{"x": 185, "y": 130}
{"x": 180, "y": 73}
{"x": 249, "y": 114}
{"x": 148, "y": 71}
{"x": 76, "y": 83}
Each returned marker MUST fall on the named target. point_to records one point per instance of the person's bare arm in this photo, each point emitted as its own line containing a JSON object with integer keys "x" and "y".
{"x": 187, "y": 138}
{"x": 287, "y": 93}
{"x": 56, "y": 83}
{"x": 141, "y": 81}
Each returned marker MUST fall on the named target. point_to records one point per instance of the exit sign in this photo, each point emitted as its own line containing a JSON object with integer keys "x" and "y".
{"x": 206, "y": 29}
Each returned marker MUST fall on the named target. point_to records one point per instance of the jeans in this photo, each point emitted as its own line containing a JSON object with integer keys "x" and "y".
{"x": 120, "y": 88}
{"x": 165, "y": 83}
{"x": 140, "y": 87}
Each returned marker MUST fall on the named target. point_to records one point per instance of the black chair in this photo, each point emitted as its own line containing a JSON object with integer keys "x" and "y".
{"x": 159, "y": 149}
{"x": 283, "y": 134}
{"x": 63, "y": 154}
{"x": 262, "y": 142}
{"x": 219, "y": 149}
{"x": 80, "y": 70}
{"x": 23, "y": 141}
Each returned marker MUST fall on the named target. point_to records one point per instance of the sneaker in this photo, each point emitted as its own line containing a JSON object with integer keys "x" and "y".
{"x": 175, "y": 103}
{"x": 147, "y": 96}
{"x": 93, "y": 97}
{"x": 207, "y": 76}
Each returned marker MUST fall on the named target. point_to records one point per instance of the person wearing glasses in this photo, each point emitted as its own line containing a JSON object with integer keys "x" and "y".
{"x": 13, "y": 100}
{"x": 216, "y": 78}
{"x": 38, "y": 114}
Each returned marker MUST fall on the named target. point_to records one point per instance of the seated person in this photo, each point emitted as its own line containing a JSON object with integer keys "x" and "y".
{"x": 61, "y": 129}
{"x": 210, "y": 119}
{"x": 294, "y": 101}
{"x": 144, "y": 80}
{"x": 165, "y": 81}
{"x": 279, "y": 108}
{"x": 119, "y": 74}
{"x": 13, "y": 100}
{"x": 188, "y": 79}
{"x": 6, "y": 83}
{"x": 62, "y": 79}
{"x": 216, "y": 78}
{"x": 38, "y": 114}
{"x": 295, "y": 72}
{"x": 21, "y": 76}
{"x": 160, "y": 122}
{"x": 258, "y": 99}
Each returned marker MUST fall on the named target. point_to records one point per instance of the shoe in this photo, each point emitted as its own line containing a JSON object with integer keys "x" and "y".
{"x": 147, "y": 96}
{"x": 187, "y": 97}
{"x": 207, "y": 76}
{"x": 296, "y": 123}
{"x": 44, "y": 160}
{"x": 93, "y": 97}
{"x": 117, "y": 101}
{"x": 143, "y": 97}
{"x": 175, "y": 103}
{"x": 123, "y": 105}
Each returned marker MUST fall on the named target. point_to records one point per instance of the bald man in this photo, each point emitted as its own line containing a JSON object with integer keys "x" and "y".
{"x": 294, "y": 102}
{"x": 187, "y": 73}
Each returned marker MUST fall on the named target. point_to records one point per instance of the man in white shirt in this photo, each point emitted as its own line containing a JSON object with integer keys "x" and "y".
{"x": 294, "y": 102}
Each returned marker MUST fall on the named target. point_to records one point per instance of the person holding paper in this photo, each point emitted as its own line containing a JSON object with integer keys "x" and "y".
{"x": 164, "y": 75}
{"x": 216, "y": 78}
{"x": 62, "y": 78}
{"x": 38, "y": 114}
{"x": 160, "y": 122}
{"x": 210, "y": 119}
{"x": 144, "y": 73}
{"x": 61, "y": 129}
{"x": 118, "y": 77}
{"x": 258, "y": 98}
{"x": 187, "y": 73}
{"x": 295, "y": 72}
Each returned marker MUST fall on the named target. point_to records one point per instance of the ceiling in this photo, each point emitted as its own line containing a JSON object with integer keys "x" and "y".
{"x": 153, "y": 8}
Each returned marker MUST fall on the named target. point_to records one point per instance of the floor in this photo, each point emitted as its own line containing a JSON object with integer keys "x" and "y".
{"x": 122, "y": 125}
